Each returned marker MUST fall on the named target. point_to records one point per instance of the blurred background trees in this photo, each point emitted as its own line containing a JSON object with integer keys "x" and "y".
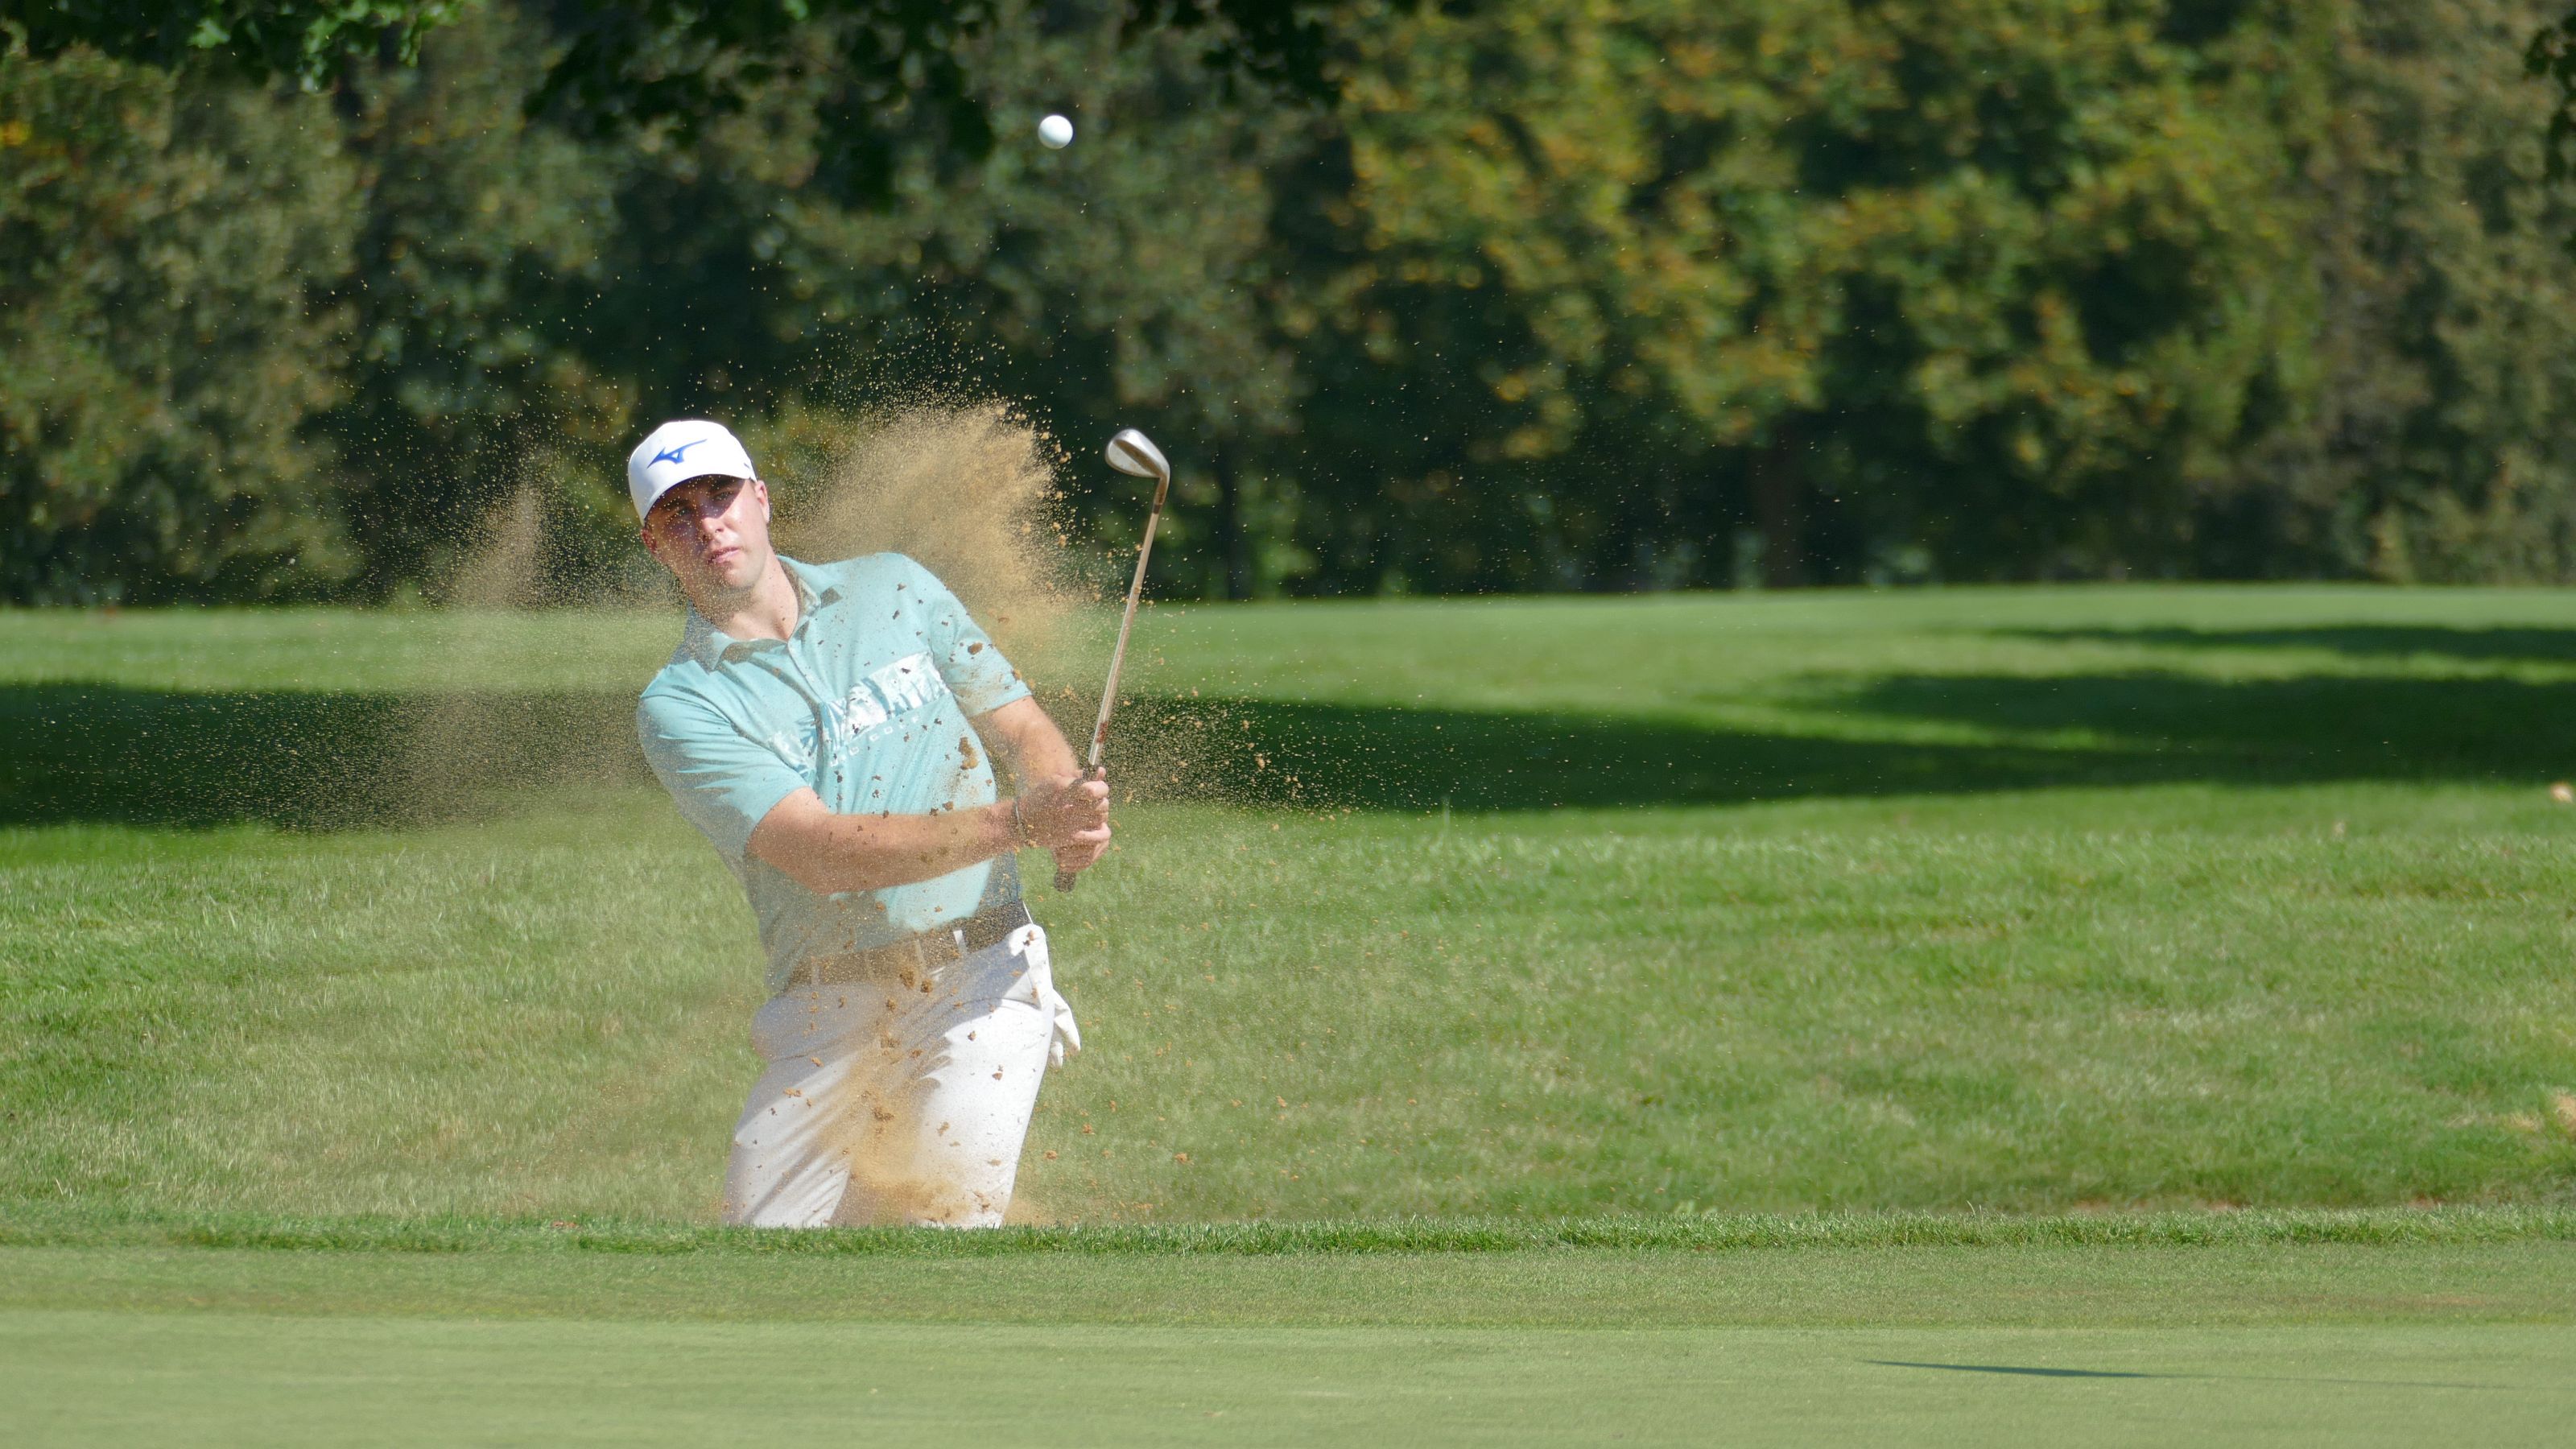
{"x": 1554, "y": 294}
{"x": 162, "y": 343}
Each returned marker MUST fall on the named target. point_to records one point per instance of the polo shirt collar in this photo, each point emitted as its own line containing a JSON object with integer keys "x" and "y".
{"x": 710, "y": 646}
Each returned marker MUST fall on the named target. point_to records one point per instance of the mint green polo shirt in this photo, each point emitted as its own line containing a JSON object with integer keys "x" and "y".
{"x": 866, "y": 704}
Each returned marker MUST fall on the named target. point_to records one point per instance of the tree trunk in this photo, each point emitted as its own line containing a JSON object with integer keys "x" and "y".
{"x": 1778, "y": 510}
{"x": 1231, "y": 544}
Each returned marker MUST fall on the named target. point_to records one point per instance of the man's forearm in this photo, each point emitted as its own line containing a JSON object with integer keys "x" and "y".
{"x": 1024, "y": 735}
{"x": 1042, "y": 755}
{"x": 826, "y": 852}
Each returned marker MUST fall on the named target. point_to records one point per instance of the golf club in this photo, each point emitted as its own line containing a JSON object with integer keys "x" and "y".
{"x": 1133, "y": 453}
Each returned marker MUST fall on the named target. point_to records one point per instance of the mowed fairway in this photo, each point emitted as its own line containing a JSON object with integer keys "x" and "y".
{"x": 321, "y": 930}
{"x": 2354, "y": 1329}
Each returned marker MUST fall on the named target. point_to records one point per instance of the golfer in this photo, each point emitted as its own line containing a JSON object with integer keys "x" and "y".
{"x": 830, "y": 728}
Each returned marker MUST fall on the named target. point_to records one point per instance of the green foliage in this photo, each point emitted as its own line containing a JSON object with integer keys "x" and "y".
{"x": 1579, "y": 294}
{"x": 627, "y": 65}
{"x": 308, "y": 41}
{"x": 1997, "y": 279}
{"x": 482, "y": 244}
{"x": 2451, "y": 307}
{"x": 881, "y": 65}
{"x": 159, "y": 352}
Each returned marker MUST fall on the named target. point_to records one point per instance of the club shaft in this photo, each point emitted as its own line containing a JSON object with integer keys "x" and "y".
{"x": 1064, "y": 879}
{"x": 1126, "y": 622}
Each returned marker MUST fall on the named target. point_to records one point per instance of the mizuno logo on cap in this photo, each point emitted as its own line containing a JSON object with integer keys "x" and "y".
{"x": 673, "y": 455}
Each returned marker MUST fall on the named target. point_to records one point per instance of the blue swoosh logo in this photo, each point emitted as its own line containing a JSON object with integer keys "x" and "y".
{"x": 673, "y": 455}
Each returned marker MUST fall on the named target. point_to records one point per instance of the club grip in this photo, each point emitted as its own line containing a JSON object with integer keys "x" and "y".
{"x": 1064, "y": 879}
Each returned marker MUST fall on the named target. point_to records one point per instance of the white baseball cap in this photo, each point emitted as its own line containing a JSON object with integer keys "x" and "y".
{"x": 676, "y": 452}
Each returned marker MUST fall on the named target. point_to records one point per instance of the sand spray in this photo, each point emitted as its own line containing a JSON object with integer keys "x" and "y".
{"x": 968, "y": 489}
{"x": 525, "y": 713}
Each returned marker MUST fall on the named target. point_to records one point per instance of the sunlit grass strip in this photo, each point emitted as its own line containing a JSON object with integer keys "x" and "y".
{"x": 52, "y": 1227}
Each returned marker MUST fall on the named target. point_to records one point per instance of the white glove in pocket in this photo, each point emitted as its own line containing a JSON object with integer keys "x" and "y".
{"x": 1029, "y": 943}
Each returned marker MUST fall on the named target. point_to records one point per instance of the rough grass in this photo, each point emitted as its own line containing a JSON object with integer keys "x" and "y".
{"x": 1816, "y": 1283}
{"x": 57, "y": 1227}
{"x": 2009, "y": 900}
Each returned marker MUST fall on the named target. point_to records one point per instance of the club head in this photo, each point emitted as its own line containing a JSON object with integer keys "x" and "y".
{"x": 1132, "y": 452}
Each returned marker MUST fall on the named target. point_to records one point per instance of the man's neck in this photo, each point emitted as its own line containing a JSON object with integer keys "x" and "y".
{"x": 767, "y": 608}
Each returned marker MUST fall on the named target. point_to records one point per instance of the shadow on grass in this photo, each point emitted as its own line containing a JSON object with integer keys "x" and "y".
{"x": 2118, "y": 729}
{"x": 305, "y": 761}
{"x": 2026, "y": 1370}
{"x": 2034, "y": 1371}
{"x": 1329, "y": 756}
{"x": 328, "y": 761}
{"x": 2386, "y": 641}
{"x": 2313, "y": 727}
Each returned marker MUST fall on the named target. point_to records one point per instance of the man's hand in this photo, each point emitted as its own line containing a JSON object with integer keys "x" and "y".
{"x": 1068, "y": 815}
{"x": 1079, "y": 856}
{"x": 1050, "y": 785}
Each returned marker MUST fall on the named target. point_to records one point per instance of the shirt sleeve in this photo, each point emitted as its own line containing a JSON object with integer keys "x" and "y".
{"x": 977, "y": 674}
{"x": 723, "y": 781}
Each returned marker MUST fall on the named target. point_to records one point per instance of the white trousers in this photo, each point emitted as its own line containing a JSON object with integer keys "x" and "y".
{"x": 904, "y": 1102}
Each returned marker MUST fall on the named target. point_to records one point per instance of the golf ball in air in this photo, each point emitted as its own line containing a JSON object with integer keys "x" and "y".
{"x": 1055, "y": 132}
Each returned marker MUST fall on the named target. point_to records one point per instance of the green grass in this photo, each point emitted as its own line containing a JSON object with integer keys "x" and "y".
{"x": 1776, "y": 1018}
{"x": 2387, "y": 1327}
{"x": 544, "y": 1017}
{"x": 116, "y": 1378}
{"x": 2051, "y": 1286}
{"x": 2018, "y": 900}
{"x": 74, "y": 1227}
{"x": 2241, "y": 1341}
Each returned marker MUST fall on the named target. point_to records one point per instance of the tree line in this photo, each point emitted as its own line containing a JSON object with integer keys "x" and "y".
{"x": 1554, "y": 294}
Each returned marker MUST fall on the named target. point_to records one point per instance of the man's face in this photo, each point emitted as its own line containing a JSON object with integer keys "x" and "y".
{"x": 711, "y": 533}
